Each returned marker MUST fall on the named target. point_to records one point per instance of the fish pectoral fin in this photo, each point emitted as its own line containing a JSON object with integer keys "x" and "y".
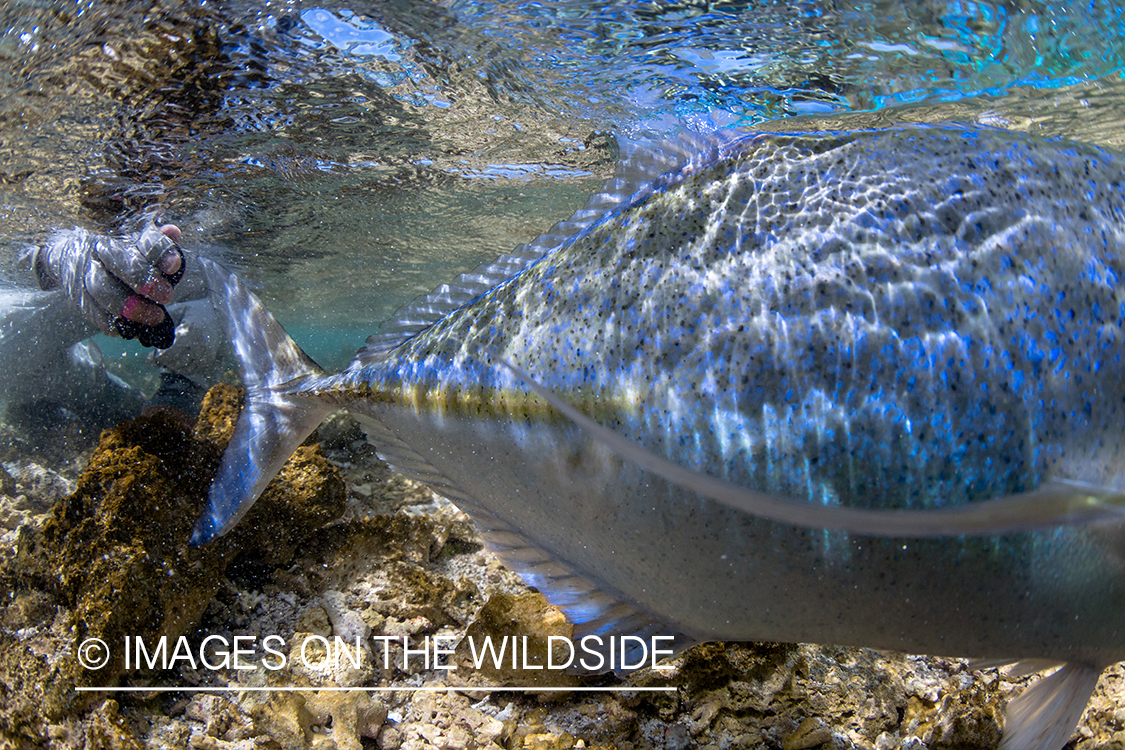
{"x": 1081, "y": 499}
{"x": 1055, "y": 503}
{"x": 1045, "y": 715}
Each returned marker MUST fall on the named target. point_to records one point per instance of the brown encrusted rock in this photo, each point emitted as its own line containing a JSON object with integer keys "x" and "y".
{"x": 7, "y": 482}
{"x": 307, "y": 493}
{"x": 114, "y": 559}
{"x": 525, "y": 620}
{"x": 288, "y": 719}
{"x": 218, "y": 414}
{"x": 390, "y": 557}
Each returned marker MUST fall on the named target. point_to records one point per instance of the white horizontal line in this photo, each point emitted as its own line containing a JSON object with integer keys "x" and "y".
{"x": 290, "y": 689}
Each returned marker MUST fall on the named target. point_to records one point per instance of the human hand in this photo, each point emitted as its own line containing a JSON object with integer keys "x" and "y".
{"x": 200, "y": 351}
{"x": 120, "y": 284}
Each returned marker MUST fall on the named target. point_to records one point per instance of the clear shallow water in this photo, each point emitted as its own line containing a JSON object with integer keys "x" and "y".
{"x": 347, "y": 157}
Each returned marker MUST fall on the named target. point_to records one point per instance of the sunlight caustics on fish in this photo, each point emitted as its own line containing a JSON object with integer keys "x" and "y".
{"x": 861, "y": 388}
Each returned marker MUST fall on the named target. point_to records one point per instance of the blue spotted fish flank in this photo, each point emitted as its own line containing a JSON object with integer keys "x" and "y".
{"x": 825, "y": 317}
{"x": 858, "y": 388}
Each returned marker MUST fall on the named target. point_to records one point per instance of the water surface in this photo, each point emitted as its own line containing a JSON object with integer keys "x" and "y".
{"x": 348, "y": 156}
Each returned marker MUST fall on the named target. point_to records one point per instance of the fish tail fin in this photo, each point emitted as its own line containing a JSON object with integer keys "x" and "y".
{"x": 1045, "y": 715}
{"x": 275, "y": 419}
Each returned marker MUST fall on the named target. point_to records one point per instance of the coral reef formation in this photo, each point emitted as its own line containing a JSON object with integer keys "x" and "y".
{"x": 112, "y": 562}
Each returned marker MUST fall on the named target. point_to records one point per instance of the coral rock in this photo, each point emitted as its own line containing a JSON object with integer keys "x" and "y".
{"x": 114, "y": 554}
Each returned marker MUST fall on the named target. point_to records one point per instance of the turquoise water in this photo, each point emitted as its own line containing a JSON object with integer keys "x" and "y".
{"x": 346, "y": 157}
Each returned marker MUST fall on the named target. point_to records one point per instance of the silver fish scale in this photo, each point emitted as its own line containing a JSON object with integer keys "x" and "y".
{"x": 905, "y": 318}
{"x": 896, "y": 318}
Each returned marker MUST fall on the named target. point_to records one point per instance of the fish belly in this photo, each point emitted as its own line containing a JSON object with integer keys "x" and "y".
{"x": 714, "y": 573}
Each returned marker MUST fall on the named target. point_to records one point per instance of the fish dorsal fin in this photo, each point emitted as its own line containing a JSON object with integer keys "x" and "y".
{"x": 644, "y": 168}
{"x": 592, "y": 609}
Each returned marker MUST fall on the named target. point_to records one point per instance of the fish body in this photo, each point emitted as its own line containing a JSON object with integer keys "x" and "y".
{"x": 901, "y": 323}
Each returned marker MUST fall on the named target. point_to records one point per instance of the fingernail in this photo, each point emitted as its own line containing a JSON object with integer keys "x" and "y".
{"x": 172, "y": 232}
{"x": 156, "y": 289}
{"x": 139, "y": 310}
{"x": 169, "y": 262}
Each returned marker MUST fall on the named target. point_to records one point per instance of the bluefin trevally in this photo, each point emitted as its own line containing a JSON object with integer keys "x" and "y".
{"x": 861, "y": 388}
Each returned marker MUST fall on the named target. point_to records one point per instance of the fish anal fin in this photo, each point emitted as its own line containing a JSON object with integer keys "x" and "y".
{"x": 1044, "y": 716}
{"x": 1016, "y": 667}
{"x": 409, "y": 463}
{"x": 595, "y": 611}
{"x": 611, "y": 634}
